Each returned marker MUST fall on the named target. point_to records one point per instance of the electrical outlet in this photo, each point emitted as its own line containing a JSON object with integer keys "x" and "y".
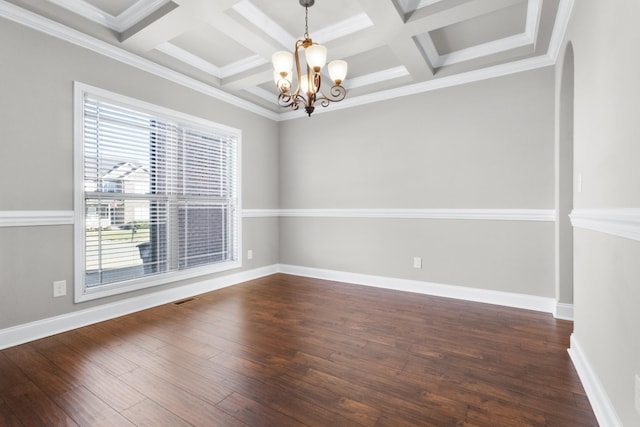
{"x": 250, "y": 254}
{"x": 59, "y": 288}
{"x": 638, "y": 394}
{"x": 417, "y": 262}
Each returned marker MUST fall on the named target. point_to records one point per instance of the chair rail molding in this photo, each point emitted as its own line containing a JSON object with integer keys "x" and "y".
{"x": 545, "y": 215}
{"x": 621, "y": 222}
{"x": 35, "y": 218}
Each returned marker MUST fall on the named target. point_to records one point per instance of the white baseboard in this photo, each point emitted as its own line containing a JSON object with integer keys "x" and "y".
{"x": 563, "y": 311}
{"x": 528, "y": 302}
{"x": 602, "y": 407}
{"x": 54, "y": 325}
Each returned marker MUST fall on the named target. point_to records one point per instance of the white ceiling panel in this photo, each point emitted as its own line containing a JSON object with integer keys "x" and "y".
{"x": 112, "y": 7}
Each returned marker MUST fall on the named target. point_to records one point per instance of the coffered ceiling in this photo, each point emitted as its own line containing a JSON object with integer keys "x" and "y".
{"x": 393, "y": 47}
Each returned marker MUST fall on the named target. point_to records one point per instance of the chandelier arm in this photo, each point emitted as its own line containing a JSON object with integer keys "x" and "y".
{"x": 299, "y": 44}
{"x": 336, "y": 94}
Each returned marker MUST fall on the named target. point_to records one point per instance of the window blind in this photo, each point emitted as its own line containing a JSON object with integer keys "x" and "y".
{"x": 160, "y": 194}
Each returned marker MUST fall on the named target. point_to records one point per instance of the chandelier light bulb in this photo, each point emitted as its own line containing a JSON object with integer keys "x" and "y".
{"x": 306, "y": 82}
{"x": 282, "y": 62}
{"x": 316, "y": 56}
{"x": 338, "y": 70}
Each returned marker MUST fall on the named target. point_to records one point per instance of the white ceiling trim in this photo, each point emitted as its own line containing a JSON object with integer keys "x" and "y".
{"x": 254, "y": 15}
{"x": 560, "y": 28}
{"x": 62, "y": 32}
{"x": 377, "y": 77}
{"x": 138, "y": 11}
{"x": 343, "y": 28}
{"x": 335, "y": 31}
{"x": 528, "y": 37}
{"x": 534, "y": 14}
{"x": 201, "y": 64}
{"x": 188, "y": 58}
{"x": 262, "y": 93}
{"x": 482, "y": 50}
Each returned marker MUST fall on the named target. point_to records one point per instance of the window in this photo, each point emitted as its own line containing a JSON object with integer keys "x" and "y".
{"x": 156, "y": 195}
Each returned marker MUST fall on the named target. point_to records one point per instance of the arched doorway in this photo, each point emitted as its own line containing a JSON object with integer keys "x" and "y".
{"x": 564, "y": 189}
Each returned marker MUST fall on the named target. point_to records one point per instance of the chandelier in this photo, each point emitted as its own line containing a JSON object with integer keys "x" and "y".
{"x": 309, "y": 85}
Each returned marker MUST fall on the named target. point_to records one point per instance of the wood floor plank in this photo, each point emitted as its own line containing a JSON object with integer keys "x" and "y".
{"x": 202, "y": 384}
{"x": 254, "y": 414}
{"x": 33, "y": 407}
{"x": 93, "y": 377}
{"x": 7, "y": 417}
{"x": 10, "y": 373}
{"x": 41, "y": 371}
{"x": 287, "y": 350}
{"x": 87, "y": 409}
{"x": 99, "y": 351}
{"x": 149, "y": 414}
{"x": 180, "y": 402}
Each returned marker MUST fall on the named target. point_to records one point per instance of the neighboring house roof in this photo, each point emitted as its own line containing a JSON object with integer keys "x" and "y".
{"x": 123, "y": 171}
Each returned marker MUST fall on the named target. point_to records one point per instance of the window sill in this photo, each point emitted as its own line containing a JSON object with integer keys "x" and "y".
{"x": 83, "y": 294}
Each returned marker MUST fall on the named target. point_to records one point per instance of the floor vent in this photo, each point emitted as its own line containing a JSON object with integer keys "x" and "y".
{"x": 184, "y": 301}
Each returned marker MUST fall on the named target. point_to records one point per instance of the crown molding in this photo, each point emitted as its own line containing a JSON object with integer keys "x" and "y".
{"x": 138, "y": 11}
{"x": 560, "y": 28}
{"x": 62, "y": 32}
{"x": 616, "y": 222}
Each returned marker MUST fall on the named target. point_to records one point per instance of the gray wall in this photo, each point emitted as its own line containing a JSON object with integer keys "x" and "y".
{"x": 488, "y": 144}
{"x": 36, "y": 163}
{"x": 606, "y": 136}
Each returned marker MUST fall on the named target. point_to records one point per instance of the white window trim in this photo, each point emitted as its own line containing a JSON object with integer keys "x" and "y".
{"x": 81, "y": 292}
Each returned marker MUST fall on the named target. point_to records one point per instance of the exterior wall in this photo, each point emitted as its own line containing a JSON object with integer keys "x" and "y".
{"x": 36, "y": 164}
{"x": 484, "y": 145}
{"x": 604, "y": 36}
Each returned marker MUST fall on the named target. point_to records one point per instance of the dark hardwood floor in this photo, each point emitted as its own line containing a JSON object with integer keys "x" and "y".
{"x": 291, "y": 351}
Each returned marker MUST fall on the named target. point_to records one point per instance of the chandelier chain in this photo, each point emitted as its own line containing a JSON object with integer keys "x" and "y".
{"x": 306, "y": 22}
